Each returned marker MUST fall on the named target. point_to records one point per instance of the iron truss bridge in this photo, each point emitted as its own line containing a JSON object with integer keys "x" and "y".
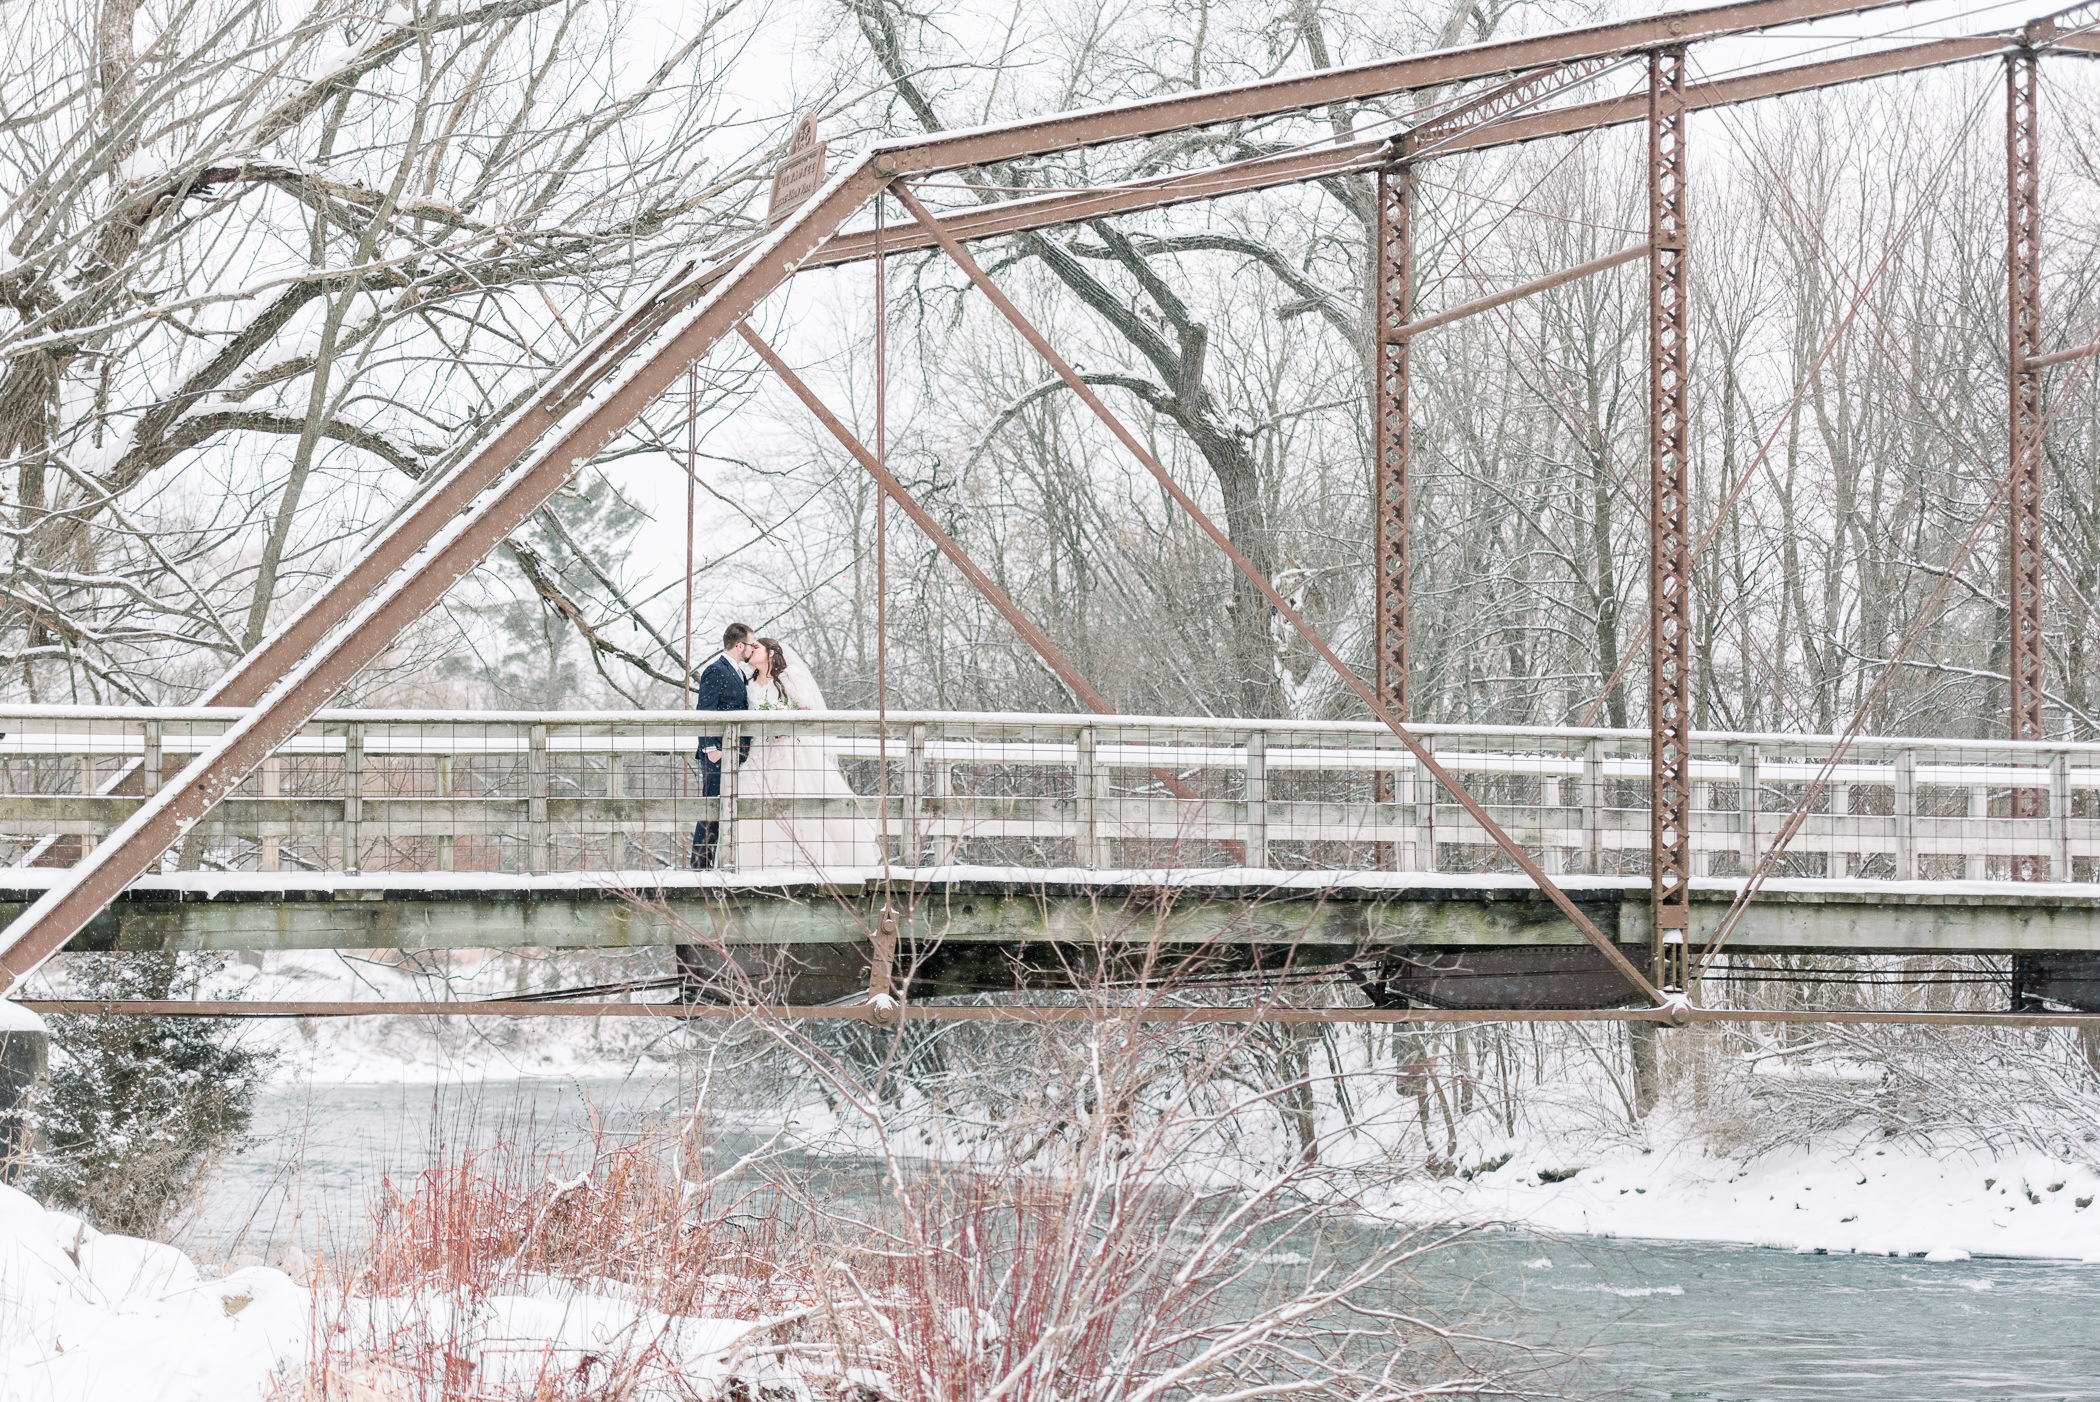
{"x": 1445, "y": 873}
{"x": 1005, "y": 853}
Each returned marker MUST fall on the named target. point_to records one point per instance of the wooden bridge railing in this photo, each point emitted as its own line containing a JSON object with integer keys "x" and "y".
{"x": 399, "y": 791}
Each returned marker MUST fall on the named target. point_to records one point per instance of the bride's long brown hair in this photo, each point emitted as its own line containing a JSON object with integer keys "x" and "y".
{"x": 778, "y": 656}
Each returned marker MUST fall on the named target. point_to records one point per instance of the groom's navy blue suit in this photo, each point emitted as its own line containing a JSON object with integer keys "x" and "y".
{"x": 721, "y": 688}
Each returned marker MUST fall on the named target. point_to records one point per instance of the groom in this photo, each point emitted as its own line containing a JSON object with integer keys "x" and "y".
{"x": 721, "y": 688}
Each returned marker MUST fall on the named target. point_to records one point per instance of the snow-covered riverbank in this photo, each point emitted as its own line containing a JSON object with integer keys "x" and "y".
{"x": 1874, "y": 1195}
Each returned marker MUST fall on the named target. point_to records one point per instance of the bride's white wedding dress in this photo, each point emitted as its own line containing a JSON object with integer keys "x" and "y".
{"x": 783, "y": 766}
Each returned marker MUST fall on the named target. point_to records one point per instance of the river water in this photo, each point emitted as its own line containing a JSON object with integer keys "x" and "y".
{"x": 1648, "y": 1319}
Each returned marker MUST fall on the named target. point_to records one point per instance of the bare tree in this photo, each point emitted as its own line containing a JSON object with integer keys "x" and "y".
{"x": 267, "y": 270}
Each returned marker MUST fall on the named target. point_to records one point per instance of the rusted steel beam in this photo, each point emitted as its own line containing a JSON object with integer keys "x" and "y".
{"x": 1392, "y": 261}
{"x": 2023, "y": 301}
{"x": 1728, "y": 92}
{"x": 1073, "y": 381}
{"x": 1302, "y": 92}
{"x": 1361, "y": 157}
{"x": 1524, "y": 90}
{"x": 1669, "y": 521}
{"x": 1038, "y": 1013}
{"x": 2062, "y": 357}
{"x": 1517, "y": 293}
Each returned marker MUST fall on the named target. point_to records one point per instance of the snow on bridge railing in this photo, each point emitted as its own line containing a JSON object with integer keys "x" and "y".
{"x": 403, "y": 791}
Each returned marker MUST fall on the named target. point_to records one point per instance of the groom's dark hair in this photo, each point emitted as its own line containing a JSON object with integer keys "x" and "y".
{"x": 734, "y": 634}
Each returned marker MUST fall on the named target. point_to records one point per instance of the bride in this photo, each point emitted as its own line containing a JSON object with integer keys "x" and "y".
{"x": 790, "y": 767}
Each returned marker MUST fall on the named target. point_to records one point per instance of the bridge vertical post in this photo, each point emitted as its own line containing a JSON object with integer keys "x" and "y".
{"x": 915, "y": 788}
{"x": 536, "y": 800}
{"x": 2059, "y": 816}
{"x": 1749, "y": 802}
{"x": 1392, "y": 303}
{"x": 268, "y": 859}
{"x": 1425, "y": 786}
{"x": 443, "y": 787}
{"x": 2023, "y": 269}
{"x": 2023, "y": 306}
{"x": 940, "y": 788}
{"x": 86, "y": 764}
{"x": 353, "y": 797}
{"x": 1841, "y": 830}
{"x": 1257, "y": 838}
{"x": 1669, "y": 506}
{"x": 1393, "y": 296}
{"x": 149, "y": 763}
{"x": 1593, "y": 807}
{"x": 615, "y": 790}
{"x": 1975, "y": 863}
{"x": 1906, "y": 806}
{"x": 1086, "y": 789}
{"x": 725, "y": 810}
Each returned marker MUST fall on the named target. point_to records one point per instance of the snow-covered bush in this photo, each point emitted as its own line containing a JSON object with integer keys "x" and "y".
{"x": 139, "y": 1108}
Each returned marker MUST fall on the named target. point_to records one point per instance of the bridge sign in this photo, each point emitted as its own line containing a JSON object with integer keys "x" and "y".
{"x": 801, "y": 171}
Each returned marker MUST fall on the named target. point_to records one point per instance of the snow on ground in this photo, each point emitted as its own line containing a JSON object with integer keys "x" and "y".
{"x": 91, "y": 1318}
{"x": 85, "y": 1316}
{"x": 1871, "y": 1195}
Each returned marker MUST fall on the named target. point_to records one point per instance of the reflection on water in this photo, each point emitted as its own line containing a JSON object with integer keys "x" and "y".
{"x": 1655, "y": 1320}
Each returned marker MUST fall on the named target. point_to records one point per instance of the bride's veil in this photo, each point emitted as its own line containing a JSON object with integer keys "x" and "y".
{"x": 800, "y": 684}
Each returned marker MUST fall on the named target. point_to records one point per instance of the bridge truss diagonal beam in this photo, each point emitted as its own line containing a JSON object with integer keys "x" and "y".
{"x": 1510, "y": 847}
{"x": 464, "y": 515}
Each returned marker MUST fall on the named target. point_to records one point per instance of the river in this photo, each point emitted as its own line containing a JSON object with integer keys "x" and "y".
{"x": 1650, "y": 1319}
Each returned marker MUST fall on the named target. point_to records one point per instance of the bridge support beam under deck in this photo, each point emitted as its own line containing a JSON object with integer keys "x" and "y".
{"x": 1805, "y": 917}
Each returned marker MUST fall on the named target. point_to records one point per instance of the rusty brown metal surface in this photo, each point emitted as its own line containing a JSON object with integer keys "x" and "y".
{"x": 1394, "y": 292}
{"x": 1303, "y": 92}
{"x": 1359, "y": 157}
{"x": 2063, "y": 357}
{"x": 1728, "y": 92}
{"x": 1509, "y": 846}
{"x": 2023, "y": 300}
{"x": 1514, "y": 294}
{"x": 1525, "y": 90}
{"x": 1669, "y": 520}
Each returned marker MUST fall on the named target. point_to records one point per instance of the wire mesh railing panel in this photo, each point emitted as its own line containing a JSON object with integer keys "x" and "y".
{"x": 796, "y": 794}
